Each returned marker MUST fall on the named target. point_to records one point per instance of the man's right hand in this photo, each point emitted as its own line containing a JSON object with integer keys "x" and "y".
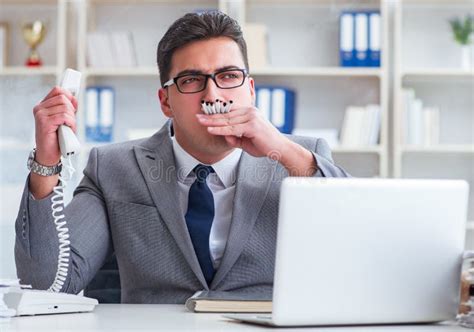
{"x": 57, "y": 108}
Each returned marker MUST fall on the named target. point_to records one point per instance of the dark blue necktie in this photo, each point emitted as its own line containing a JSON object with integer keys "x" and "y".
{"x": 199, "y": 219}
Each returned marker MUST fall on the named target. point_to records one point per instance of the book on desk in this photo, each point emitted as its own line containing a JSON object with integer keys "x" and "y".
{"x": 230, "y": 302}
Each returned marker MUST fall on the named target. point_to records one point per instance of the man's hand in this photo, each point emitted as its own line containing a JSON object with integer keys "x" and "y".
{"x": 246, "y": 128}
{"x": 57, "y": 108}
{"x": 464, "y": 309}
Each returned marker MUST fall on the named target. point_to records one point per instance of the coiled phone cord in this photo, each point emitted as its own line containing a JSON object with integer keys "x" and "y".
{"x": 57, "y": 207}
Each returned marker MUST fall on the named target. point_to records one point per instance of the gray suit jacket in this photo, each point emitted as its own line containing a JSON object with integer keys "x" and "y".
{"x": 127, "y": 203}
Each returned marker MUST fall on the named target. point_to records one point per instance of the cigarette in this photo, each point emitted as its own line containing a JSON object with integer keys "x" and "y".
{"x": 218, "y": 106}
{"x": 203, "y": 106}
{"x": 230, "y": 106}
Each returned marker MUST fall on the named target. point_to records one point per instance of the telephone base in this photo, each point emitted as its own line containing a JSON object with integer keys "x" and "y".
{"x": 37, "y": 302}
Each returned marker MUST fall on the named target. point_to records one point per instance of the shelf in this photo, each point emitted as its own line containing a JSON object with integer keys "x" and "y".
{"x": 442, "y": 148}
{"x": 344, "y": 3}
{"x": 316, "y": 71}
{"x": 437, "y": 2}
{"x": 129, "y": 71}
{"x": 363, "y": 149}
{"x": 269, "y": 71}
{"x": 438, "y": 72}
{"x": 137, "y": 2}
{"x": 28, "y": 71}
{"x": 28, "y": 2}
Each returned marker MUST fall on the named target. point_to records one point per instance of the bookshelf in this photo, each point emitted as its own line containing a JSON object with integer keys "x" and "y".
{"x": 302, "y": 76}
{"x": 439, "y": 80}
{"x": 323, "y": 88}
{"x": 16, "y": 119}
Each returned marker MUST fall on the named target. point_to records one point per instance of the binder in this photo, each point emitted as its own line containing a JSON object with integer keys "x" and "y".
{"x": 361, "y": 39}
{"x": 374, "y": 39}
{"x": 346, "y": 40}
{"x": 277, "y": 104}
{"x": 92, "y": 113}
{"x": 263, "y": 101}
{"x": 100, "y": 109}
{"x": 106, "y": 118}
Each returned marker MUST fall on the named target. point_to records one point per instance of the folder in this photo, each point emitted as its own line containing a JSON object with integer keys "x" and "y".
{"x": 346, "y": 39}
{"x": 361, "y": 39}
{"x": 92, "y": 113}
{"x": 277, "y": 104}
{"x": 100, "y": 104}
{"x": 263, "y": 101}
{"x": 374, "y": 39}
{"x": 106, "y": 118}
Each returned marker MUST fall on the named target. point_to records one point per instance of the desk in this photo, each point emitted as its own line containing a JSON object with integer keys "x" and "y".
{"x": 149, "y": 317}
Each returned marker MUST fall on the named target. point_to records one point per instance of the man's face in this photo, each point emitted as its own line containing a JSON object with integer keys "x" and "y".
{"x": 207, "y": 57}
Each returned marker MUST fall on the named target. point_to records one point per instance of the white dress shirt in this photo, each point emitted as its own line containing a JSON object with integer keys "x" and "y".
{"x": 222, "y": 185}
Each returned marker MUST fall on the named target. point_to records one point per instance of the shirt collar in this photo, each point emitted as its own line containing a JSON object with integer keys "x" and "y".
{"x": 226, "y": 168}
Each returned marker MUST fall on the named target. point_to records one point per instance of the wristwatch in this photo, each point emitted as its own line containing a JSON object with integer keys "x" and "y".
{"x": 42, "y": 170}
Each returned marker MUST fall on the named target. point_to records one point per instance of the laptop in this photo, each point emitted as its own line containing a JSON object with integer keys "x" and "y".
{"x": 367, "y": 251}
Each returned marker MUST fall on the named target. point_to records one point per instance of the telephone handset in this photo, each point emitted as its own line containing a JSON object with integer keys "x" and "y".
{"x": 69, "y": 145}
{"x": 68, "y": 142}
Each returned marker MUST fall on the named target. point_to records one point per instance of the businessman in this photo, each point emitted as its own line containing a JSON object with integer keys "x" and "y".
{"x": 193, "y": 207}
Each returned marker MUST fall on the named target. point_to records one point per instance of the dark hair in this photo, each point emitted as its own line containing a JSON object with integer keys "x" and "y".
{"x": 197, "y": 26}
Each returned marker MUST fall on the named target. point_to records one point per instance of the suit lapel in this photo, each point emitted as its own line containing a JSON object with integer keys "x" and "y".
{"x": 156, "y": 161}
{"x": 253, "y": 182}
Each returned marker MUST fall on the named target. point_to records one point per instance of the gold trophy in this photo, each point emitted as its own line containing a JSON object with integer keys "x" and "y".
{"x": 33, "y": 34}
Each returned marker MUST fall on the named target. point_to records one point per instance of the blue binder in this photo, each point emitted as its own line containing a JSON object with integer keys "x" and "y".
{"x": 347, "y": 39}
{"x": 100, "y": 110}
{"x": 278, "y": 105}
{"x": 374, "y": 38}
{"x": 359, "y": 38}
{"x": 361, "y": 44}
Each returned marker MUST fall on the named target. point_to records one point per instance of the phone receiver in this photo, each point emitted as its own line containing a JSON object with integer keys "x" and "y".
{"x": 68, "y": 142}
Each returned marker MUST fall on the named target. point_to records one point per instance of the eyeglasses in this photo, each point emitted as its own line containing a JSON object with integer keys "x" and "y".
{"x": 224, "y": 79}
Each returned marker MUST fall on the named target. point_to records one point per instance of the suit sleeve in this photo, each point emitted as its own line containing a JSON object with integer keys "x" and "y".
{"x": 37, "y": 243}
{"x": 326, "y": 166}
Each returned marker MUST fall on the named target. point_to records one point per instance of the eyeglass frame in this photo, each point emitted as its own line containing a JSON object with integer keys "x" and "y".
{"x": 207, "y": 76}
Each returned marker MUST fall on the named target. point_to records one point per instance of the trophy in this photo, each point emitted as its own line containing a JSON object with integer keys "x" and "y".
{"x": 33, "y": 34}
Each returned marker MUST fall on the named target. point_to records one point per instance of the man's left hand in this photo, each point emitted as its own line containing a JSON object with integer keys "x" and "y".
{"x": 246, "y": 128}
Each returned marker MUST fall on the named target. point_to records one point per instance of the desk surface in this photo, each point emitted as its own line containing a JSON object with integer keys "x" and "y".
{"x": 146, "y": 317}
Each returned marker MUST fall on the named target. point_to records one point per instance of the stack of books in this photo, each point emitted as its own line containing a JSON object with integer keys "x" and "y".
{"x": 420, "y": 124}
{"x": 111, "y": 49}
{"x": 361, "y": 126}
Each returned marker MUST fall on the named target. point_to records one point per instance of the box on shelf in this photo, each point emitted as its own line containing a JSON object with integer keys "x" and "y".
{"x": 257, "y": 46}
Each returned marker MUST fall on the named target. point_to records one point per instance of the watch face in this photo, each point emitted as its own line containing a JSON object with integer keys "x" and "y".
{"x": 31, "y": 157}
